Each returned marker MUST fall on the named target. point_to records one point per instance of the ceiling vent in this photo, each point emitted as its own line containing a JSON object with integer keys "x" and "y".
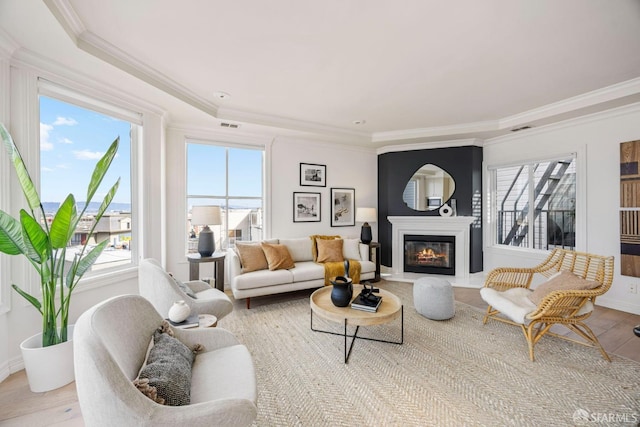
{"x": 229, "y": 125}
{"x": 520, "y": 128}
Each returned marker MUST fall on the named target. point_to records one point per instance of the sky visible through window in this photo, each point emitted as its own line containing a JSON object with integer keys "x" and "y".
{"x": 72, "y": 140}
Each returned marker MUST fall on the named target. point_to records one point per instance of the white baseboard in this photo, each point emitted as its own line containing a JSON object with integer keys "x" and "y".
{"x": 618, "y": 305}
{"x": 4, "y": 371}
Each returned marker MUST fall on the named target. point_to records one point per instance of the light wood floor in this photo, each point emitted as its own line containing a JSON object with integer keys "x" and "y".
{"x": 20, "y": 407}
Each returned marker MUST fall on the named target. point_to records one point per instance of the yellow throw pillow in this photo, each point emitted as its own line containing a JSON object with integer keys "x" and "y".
{"x": 278, "y": 256}
{"x": 565, "y": 281}
{"x": 330, "y": 250}
{"x": 251, "y": 256}
{"x": 314, "y": 243}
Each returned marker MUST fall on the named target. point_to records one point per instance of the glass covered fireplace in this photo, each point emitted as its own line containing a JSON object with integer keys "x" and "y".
{"x": 429, "y": 254}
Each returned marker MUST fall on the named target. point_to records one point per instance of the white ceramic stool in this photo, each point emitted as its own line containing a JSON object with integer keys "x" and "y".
{"x": 433, "y": 298}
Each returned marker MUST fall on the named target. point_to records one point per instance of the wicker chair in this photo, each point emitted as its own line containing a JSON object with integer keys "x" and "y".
{"x": 565, "y": 307}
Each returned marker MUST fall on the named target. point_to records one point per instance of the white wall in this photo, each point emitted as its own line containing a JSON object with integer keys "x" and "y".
{"x": 597, "y": 140}
{"x": 347, "y": 166}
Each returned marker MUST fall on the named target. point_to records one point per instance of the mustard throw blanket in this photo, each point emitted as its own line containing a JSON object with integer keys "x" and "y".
{"x": 333, "y": 269}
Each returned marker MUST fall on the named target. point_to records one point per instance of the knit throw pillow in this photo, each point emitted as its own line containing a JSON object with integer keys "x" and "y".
{"x": 278, "y": 256}
{"x": 166, "y": 377}
{"x": 330, "y": 250}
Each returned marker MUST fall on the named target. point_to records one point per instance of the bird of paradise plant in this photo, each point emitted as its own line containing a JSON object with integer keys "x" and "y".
{"x": 45, "y": 246}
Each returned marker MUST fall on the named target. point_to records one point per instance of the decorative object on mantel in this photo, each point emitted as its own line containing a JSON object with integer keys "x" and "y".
{"x": 629, "y": 208}
{"x": 343, "y": 202}
{"x": 48, "y": 356}
{"x": 366, "y": 215}
{"x": 206, "y": 215}
{"x": 179, "y": 311}
{"x": 445, "y": 210}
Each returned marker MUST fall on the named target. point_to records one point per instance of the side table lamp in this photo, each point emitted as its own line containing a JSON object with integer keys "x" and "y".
{"x": 366, "y": 215}
{"x": 206, "y": 215}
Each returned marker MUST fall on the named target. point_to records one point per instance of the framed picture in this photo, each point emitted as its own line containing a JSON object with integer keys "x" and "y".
{"x": 313, "y": 175}
{"x": 306, "y": 207}
{"x": 343, "y": 207}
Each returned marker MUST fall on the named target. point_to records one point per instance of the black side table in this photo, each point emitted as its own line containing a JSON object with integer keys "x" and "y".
{"x": 374, "y": 247}
{"x": 194, "y": 267}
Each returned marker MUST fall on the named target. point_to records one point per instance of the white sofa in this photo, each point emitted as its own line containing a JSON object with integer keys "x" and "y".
{"x": 305, "y": 275}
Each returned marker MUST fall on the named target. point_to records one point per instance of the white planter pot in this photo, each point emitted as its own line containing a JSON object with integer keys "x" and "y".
{"x": 50, "y": 367}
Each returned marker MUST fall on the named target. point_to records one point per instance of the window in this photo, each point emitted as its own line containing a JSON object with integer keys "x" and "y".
{"x": 72, "y": 140}
{"x": 535, "y": 204}
{"x": 230, "y": 177}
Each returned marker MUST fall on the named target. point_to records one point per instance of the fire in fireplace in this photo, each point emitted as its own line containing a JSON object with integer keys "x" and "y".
{"x": 429, "y": 254}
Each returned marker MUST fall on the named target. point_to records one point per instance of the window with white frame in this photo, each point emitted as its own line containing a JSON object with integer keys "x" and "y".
{"x": 75, "y": 132}
{"x": 534, "y": 203}
{"x": 230, "y": 177}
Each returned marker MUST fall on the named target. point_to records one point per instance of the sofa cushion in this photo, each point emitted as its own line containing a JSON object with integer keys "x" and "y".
{"x": 565, "y": 281}
{"x": 184, "y": 287}
{"x": 262, "y": 278}
{"x": 330, "y": 250}
{"x": 278, "y": 256}
{"x": 252, "y": 257}
{"x": 351, "y": 249}
{"x": 307, "y": 270}
{"x": 300, "y": 249}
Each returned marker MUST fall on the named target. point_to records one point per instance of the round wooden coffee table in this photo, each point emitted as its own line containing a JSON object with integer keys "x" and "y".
{"x": 390, "y": 308}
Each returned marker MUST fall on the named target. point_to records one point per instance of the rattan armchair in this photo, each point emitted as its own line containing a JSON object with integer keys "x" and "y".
{"x": 506, "y": 291}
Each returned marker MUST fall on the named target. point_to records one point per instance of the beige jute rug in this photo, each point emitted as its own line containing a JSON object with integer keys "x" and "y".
{"x": 456, "y": 372}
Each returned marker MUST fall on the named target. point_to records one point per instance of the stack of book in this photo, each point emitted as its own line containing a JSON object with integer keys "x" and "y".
{"x": 191, "y": 322}
{"x": 369, "y": 303}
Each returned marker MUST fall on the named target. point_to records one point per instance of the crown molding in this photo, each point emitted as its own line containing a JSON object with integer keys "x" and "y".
{"x": 585, "y": 100}
{"x": 465, "y": 128}
{"x": 100, "y": 48}
{"x": 430, "y": 145}
{"x": 7, "y": 45}
{"x": 572, "y": 122}
{"x": 293, "y": 124}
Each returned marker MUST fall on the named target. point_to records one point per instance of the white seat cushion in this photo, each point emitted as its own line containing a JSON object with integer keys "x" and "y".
{"x": 308, "y": 270}
{"x": 513, "y": 303}
{"x": 261, "y": 278}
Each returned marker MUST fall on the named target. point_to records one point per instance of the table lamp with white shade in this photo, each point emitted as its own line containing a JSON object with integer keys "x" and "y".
{"x": 366, "y": 215}
{"x": 206, "y": 215}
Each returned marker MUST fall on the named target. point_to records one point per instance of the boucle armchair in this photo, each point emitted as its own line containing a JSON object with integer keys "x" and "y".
{"x": 565, "y": 299}
{"x": 110, "y": 344}
{"x": 162, "y": 290}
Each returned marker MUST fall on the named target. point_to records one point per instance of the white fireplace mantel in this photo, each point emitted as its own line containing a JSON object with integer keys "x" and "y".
{"x": 457, "y": 226}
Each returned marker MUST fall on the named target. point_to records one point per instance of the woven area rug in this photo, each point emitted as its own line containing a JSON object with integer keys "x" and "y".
{"x": 455, "y": 372}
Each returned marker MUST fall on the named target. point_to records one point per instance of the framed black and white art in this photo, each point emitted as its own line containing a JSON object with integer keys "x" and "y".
{"x": 306, "y": 207}
{"x": 343, "y": 207}
{"x": 313, "y": 175}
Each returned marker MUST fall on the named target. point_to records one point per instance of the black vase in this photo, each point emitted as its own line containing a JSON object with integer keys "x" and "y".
{"x": 342, "y": 291}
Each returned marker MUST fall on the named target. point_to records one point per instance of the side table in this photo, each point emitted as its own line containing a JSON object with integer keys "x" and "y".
{"x": 374, "y": 247}
{"x": 194, "y": 267}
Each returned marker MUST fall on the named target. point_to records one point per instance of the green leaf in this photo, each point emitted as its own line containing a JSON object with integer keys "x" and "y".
{"x": 63, "y": 225}
{"x": 35, "y": 238}
{"x": 84, "y": 263}
{"x": 26, "y": 183}
{"x": 11, "y": 241}
{"x": 107, "y": 200}
{"x": 101, "y": 169}
{"x": 28, "y": 297}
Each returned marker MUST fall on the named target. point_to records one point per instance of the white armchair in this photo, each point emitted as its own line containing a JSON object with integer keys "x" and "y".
{"x": 110, "y": 344}
{"x": 162, "y": 291}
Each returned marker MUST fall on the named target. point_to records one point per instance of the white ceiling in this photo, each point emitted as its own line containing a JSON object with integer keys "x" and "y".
{"x": 414, "y": 70}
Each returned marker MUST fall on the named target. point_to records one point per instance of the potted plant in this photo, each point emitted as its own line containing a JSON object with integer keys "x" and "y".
{"x": 45, "y": 247}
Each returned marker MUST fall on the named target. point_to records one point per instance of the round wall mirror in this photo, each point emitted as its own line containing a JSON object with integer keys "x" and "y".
{"x": 429, "y": 188}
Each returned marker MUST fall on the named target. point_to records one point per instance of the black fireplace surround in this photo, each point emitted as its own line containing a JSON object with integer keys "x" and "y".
{"x": 395, "y": 169}
{"x": 430, "y": 254}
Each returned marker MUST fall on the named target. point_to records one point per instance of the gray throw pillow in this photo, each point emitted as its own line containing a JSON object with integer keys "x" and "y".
{"x": 168, "y": 369}
{"x": 185, "y": 288}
